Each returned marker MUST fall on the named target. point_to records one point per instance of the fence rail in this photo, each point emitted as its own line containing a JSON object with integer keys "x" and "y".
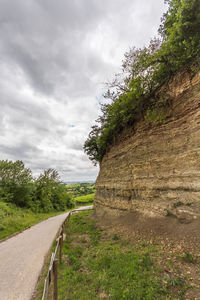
{"x": 52, "y": 274}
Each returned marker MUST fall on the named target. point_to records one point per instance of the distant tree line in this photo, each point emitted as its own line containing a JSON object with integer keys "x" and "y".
{"x": 43, "y": 194}
{"x": 143, "y": 71}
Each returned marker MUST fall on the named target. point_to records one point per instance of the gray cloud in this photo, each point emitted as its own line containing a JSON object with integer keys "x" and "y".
{"x": 55, "y": 55}
{"x": 24, "y": 150}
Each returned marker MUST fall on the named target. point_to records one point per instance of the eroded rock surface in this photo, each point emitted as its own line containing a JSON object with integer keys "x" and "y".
{"x": 155, "y": 170}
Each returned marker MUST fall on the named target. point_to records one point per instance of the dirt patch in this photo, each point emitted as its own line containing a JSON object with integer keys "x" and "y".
{"x": 130, "y": 224}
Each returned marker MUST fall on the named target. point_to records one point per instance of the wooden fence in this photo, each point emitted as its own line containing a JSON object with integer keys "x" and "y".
{"x": 52, "y": 275}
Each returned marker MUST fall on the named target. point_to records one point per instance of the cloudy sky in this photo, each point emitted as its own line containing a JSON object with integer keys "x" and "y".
{"x": 55, "y": 57}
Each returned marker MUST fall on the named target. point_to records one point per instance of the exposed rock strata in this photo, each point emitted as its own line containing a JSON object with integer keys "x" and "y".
{"x": 156, "y": 169}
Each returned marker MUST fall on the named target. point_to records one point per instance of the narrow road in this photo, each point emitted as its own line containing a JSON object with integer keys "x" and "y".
{"x": 22, "y": 258}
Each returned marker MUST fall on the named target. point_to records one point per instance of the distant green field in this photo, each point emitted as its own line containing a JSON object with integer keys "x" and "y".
{"x": 80, "y": 189}
{"x": 72, "y": 185}
{"x": 85, "y": 199}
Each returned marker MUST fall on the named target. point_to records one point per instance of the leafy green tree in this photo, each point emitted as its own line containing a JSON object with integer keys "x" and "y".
{"x": 15, "y": 183}
{"x": 91, "y": 145}
{"x": 50, "y": 193}
{"x": 180, "y": 32}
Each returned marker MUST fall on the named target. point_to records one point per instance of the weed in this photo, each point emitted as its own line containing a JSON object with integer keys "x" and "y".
{"x": 178, "y": 283}
{"x": 175, "y": 281}
{"x": 115, "y": 237}
{"x": 143, "y": 244}
{"x": 187, "y": 257}
{"x": 177, "y": 204}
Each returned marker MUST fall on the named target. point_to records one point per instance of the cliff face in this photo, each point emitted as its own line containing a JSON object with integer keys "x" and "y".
{"x": 155, "y": 170}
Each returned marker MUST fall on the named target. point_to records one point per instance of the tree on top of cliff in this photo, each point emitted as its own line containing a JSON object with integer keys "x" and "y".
{"x": 144, "y": 70}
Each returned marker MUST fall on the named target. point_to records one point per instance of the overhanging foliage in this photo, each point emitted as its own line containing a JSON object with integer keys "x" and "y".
{"x": 144, "y": 70}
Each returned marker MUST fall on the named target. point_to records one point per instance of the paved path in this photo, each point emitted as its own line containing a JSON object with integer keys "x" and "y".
{"x": 22, "y": 258}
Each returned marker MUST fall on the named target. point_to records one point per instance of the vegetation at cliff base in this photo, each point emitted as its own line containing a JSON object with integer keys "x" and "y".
{"x": 98, "y": 264}
{"x": 129, "y": 96}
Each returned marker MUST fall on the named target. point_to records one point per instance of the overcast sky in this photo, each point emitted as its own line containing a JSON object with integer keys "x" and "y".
{"x": 55, "y": 57}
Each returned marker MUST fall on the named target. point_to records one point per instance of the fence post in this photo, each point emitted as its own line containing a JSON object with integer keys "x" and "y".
{"x": 61, "y": 245}
{"x": 55, "y": 281}
{"x": 54, "y": 263}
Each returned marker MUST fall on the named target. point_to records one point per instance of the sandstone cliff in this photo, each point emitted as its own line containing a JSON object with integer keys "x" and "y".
{"x": 155, "y": 170}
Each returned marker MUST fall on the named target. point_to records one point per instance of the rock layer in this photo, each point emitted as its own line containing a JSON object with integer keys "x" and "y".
{"x": 155, "y": 170}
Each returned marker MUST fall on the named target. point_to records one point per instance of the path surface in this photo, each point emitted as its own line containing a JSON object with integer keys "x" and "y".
{"x": 22, "y": 258}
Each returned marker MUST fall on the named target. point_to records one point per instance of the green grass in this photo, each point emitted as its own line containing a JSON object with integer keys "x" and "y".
{"x": 85, "y": 199}
{"x": 14, "y": 219}
{"x": 98, "y": 266}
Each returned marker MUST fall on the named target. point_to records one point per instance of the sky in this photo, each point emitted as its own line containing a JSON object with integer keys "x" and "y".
{"x": 55, "y": 58}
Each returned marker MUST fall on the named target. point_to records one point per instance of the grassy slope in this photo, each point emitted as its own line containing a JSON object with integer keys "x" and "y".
{"x": 14, "y": 219}
{"x": 99, "y": 265}
{"x": 85, "y": 199}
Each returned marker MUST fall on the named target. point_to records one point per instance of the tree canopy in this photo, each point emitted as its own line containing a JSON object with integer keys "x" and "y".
{"x": 15, "y": 181}
{"x": 144, "y": 70}
{"x": 44, "y": 194}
